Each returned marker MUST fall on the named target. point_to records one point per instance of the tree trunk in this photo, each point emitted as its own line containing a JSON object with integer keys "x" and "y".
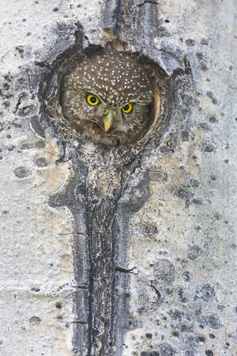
{"x": 122, "y": 251}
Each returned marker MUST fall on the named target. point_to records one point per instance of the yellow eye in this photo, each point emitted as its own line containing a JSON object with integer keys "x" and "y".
{"x": 127, "y": 108}
{"x": 92, "y": 99}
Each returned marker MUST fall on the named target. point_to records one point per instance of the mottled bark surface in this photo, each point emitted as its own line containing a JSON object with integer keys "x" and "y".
{"x": 108, "y": 252}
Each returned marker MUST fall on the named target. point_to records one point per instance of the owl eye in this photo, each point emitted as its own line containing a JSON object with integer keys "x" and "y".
{"x": 92, "y": 99}
{"x": 127, "y": 108}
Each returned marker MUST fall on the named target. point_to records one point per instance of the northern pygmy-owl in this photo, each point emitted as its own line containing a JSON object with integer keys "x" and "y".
{"x": 107, "y": 98}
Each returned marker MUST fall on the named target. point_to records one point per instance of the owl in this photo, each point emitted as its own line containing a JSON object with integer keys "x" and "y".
{"x": 107, "y": 98}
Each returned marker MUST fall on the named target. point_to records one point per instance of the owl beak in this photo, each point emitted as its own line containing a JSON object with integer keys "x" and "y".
{"x": 108, "y": 120}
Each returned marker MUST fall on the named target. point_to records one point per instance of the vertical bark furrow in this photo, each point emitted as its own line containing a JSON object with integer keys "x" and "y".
{"x": 100, "y": 219}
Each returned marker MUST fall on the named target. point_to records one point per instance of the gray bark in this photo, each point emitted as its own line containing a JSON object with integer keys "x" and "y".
{"x": 127, "y": 251}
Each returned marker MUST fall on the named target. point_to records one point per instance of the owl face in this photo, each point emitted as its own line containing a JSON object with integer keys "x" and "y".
{"x": 107, "y": 98}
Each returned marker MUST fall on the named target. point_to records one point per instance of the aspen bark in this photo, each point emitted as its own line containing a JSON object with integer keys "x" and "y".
{"x": 129, "y": 252}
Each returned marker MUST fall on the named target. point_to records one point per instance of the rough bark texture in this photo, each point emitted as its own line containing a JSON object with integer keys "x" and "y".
{"x": 119, "y": 252}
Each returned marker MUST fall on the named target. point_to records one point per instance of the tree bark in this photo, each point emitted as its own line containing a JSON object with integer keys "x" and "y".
{"x": 119, "y": 252}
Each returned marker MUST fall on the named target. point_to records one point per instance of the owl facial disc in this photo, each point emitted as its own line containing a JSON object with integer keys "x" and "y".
{"x": 107, "y": 97}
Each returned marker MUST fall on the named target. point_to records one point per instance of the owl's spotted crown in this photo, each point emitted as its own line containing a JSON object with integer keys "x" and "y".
{"x": 115, "y": 77}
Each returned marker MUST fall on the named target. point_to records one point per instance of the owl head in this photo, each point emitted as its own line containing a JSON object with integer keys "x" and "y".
{"x": 108, "y": 98}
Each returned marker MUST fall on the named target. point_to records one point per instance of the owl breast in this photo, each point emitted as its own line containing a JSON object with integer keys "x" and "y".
{"x": 107, "y": 98}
